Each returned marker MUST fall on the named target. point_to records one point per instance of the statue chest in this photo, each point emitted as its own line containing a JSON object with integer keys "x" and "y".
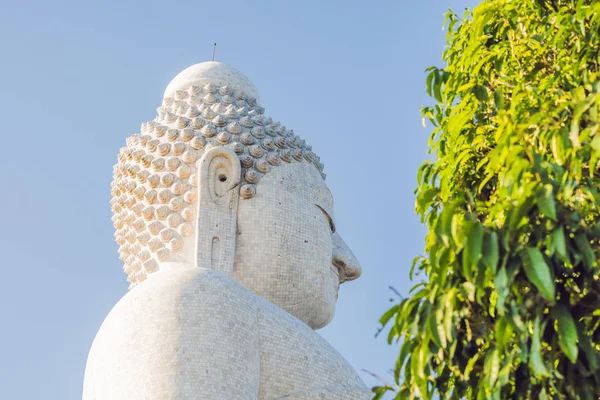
{"x": 297, "y": 363}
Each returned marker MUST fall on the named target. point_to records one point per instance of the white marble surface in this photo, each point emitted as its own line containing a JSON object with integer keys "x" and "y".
{"x": 213, "y": 72}
{"x": 198, "y": 334}
{"x": 227, "y": 233}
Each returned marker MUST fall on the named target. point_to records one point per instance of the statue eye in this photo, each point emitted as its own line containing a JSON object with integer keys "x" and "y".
{"x": 329, "y": 219}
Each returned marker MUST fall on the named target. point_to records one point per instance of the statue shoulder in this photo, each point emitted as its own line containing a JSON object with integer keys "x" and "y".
{"x": 339, "y": 393}
{"x": 175, "y": 325}
{"x": 190, "y": 288}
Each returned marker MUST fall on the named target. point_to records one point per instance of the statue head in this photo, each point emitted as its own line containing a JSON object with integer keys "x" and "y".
{"x": 211, "y": 182}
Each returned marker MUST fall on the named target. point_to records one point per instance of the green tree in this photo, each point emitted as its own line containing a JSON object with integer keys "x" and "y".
{"x": 509, "y": 303}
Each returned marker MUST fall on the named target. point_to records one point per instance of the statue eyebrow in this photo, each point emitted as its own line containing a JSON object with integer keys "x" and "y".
{"x": 329, "y": 219}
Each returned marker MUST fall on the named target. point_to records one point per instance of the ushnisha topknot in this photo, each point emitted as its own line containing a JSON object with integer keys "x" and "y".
{"x": 154, "y": 195}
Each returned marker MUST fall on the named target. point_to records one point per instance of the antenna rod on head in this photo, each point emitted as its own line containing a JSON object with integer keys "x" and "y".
{"x": 214, "y": 49}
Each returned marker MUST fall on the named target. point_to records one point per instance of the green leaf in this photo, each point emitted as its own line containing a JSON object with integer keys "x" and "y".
{"x": 515, "y": 319}
{"x": 466, "y": 265}
{"x": 468, "y": 290}
{"x": 558, "y": 239}
{"x": 414, "y": 264}
{"x": 418, "y": 361}
{"x": 517, "y": 214}
{"x": 480, "y": 93}
{"x": 439, "y": 315}
{"x": 457, "y": 122}
{"x": 444, "y": 224}
{"x": 586, "y": 345}
{"x": 492, "y": 367}
{"x": 490, "y": 254}
{"x": 536, "y": 362}
{"x": 583, "y": 245}
{"x": 380, "y": 391}
{"x": 558, "y": 149}
{"x": 501, "y": 282}
{"x": 475, "y": 242}
{"x": 389, "y": 314}
{"x": 429, "y": 85}
{"x": 437, "y": 86}
{"x": 596, "y": 143}
{"x": 498, "y": 100}
{"x": 449, "y": 313}
{"x": 567, "y": 332}
{"x": 538, "y": 272}
{"x": 545, "y": 199}
{"x": 506, "y": 370}
{"x": 433, "y": 328}
{"x": 503, "y": 333}
{"x": 405, "y": 350}
{"x": 424, "y": 199}
{"x": 470, "y": 364}
{"x": 393, "y": 334}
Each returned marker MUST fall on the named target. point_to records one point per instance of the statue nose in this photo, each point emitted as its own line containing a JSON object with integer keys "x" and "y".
{"x": 344, "y": 260}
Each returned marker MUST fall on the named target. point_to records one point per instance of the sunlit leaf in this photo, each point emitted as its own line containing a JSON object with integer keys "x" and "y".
{"x": 567, "y": 332}
{"x": 536, "y": 362}
{"x": 538, "y": 272}
{"x": 475, "y": 243}
{"x": 545, "y": 201}
{"x": 388, "y": 314}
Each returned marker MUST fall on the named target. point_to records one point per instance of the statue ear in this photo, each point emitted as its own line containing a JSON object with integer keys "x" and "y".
{"x": 219, "y": 174}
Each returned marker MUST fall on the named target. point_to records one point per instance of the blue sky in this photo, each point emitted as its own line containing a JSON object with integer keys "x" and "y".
{"x": 79, "y": 77}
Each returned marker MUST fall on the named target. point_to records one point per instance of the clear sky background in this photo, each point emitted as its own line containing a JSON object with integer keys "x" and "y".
{"x": 78, "y": 77}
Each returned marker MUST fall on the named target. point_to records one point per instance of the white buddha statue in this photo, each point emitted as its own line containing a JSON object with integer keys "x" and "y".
{"x": 225, "y": 226}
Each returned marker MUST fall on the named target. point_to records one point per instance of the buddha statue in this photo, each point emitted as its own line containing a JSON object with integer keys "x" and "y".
{"x": 226, "y": 229}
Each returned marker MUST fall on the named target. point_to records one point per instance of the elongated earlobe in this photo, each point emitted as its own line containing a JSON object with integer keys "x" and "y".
{"x": 219, "y": 174}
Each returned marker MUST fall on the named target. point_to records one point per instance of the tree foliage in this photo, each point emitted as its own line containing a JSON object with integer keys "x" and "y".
{"x": 509, "y": 302}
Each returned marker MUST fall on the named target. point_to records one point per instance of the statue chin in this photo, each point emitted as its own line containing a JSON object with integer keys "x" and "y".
{"x": 323, "y": 318}
{"x": 316, "y": 311}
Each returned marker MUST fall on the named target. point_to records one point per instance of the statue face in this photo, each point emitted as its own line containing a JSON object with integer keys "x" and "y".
{"x": 287, "y": 249}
